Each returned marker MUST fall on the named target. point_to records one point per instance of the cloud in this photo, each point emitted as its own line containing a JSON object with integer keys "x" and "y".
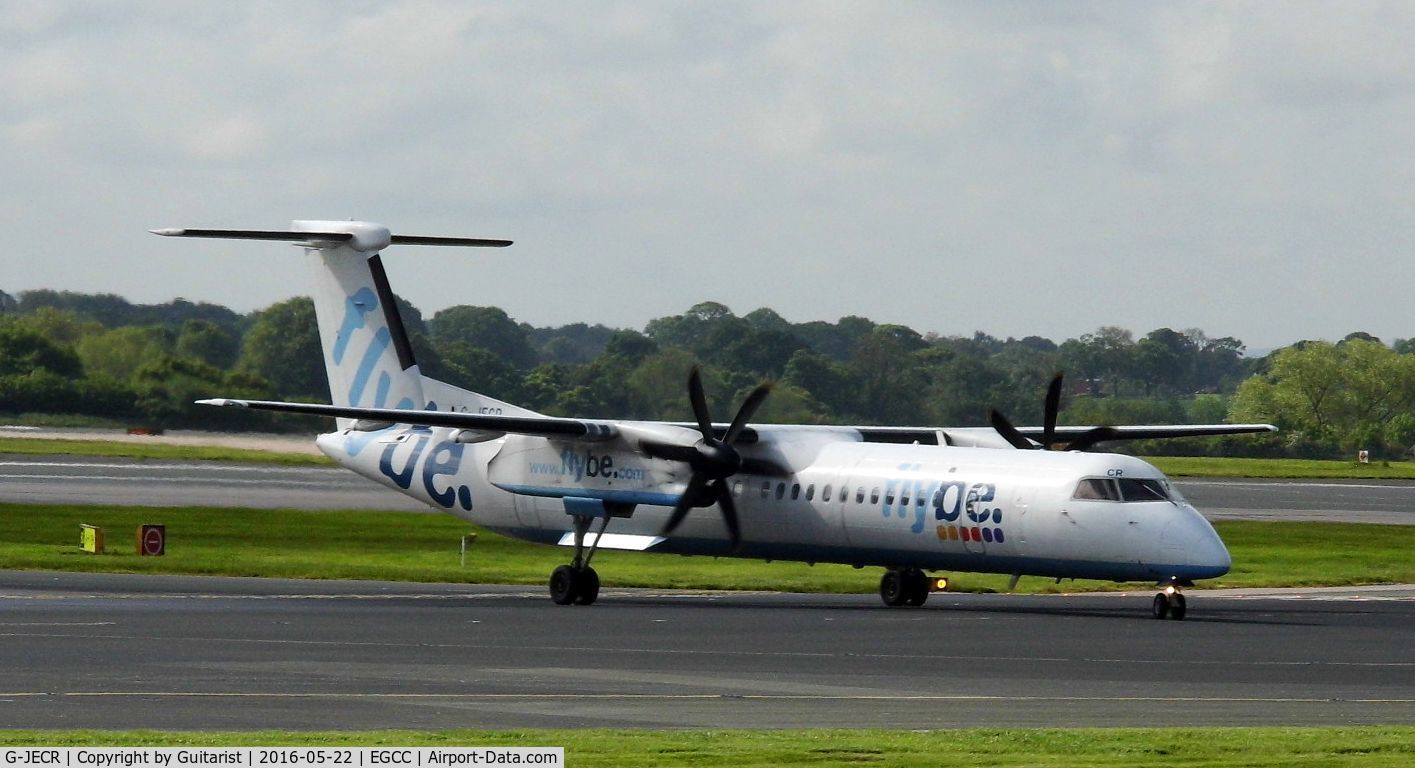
{"x": 1012, "y": 168}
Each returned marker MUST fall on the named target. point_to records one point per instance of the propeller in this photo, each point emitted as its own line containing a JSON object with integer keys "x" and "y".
{"x": 1082, "y": 442}
{"x": 711, "y": 460}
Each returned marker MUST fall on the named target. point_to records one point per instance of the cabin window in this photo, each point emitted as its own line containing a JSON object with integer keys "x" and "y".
{"x": 795, "y": 491}
{"x": 860, "y": 495}
{"x": 780, "y": 490}
{"x": 903, "y": 498}
{"x": 874, "y": 496}
{"x": 766, "y": 488}
{"x": 825, "y": 493}
{"x": 889, "y": 497}
{"x": 1143, "y": 489}
{"x": 844, "y": 493}
{"x": 810, "y": 491}
{"x": 1096, "y": 489}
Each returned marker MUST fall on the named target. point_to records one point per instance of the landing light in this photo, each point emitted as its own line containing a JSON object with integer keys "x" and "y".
{"x": 1169, "y": 590}
{"x": 938, "y": 584}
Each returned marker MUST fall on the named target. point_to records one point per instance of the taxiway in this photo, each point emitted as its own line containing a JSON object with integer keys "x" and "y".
{"x": 123, "y": 651}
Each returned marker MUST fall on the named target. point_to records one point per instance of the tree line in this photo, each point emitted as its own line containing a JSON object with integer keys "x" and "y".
{"x": 98, "y": 356}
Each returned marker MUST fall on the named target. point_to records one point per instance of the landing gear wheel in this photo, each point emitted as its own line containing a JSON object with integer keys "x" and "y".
{"x": 564, "y": 583}
{"x": 1161, "y": 606}
{"x": 907, "y": 586}
{"x": 916, "y": 587}
{"x": 892, "y": 588}
{"x": 1176, "y": 607}
{"x": 587, "y": 586}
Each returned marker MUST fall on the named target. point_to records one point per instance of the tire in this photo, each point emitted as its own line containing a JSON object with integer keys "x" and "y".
{"x": 588, "y": 586}
{"x": 1160, "y": 607}
{"x": 564, "y": 585}
{"x": 1177, "y": 608}
{"x": 916, "y": 587}
{"x": 892, "y": 588}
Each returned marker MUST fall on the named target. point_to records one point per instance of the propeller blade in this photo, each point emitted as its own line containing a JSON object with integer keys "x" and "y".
{"x": 1090, "y": 437}
{"x": 1053, "y": 405}
{"x": 744, "y": 414}
{"x": 729, "y": 514}
{"x": 699, "y": 403}
{"x": 685, "y": 502}
{"x": 670, "y": 451}
{"x": 1009, "y": 432}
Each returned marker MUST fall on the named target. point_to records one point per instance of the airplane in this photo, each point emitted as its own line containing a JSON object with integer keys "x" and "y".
{"x": 910, "y": 499}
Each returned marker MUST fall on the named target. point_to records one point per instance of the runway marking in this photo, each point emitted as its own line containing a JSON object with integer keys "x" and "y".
{"x": 693, "y": 697}
{"x": 149, "y": 479}
{"x": 58, "y": 623}
{"x": 1401, "y": 485}
{"x": 684, "y": 652}
{"x": 194, "y": 466}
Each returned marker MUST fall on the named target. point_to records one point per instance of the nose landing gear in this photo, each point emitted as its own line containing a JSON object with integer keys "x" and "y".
{"x": 1169, "y": 604}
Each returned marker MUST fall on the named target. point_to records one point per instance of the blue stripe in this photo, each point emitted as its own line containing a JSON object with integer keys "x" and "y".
{"x": 380, "y": 343}
{"x": 625, "y": 497}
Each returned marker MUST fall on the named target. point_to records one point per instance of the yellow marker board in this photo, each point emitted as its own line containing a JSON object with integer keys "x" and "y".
{"x": 91, "y": 539}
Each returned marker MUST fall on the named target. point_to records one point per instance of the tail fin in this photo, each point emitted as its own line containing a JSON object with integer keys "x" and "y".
{"x": 367, "y": 354}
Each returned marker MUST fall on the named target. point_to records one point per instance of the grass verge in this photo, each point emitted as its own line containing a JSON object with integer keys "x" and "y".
{"x": 1373, "y": 746}
{"x": 1281, "y": 469}
{"x": 154, "y": 451}
{"x": 397, "y": 546}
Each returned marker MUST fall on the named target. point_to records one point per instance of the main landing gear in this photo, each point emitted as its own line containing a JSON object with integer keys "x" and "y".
{"x": 1169, "y": 603}
{"x": 577, "y": 583}
{"x": 908, "y": 586}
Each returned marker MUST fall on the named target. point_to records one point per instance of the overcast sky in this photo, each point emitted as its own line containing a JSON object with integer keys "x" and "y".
{"x": 1016, "y": 168}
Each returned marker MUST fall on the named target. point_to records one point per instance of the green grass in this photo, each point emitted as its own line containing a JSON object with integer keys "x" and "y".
{"x": 398, "y": 546}
{"x": 1373, "y": 746}
{"x": 1204, "y": 466}
{"x": 154, "y": 451}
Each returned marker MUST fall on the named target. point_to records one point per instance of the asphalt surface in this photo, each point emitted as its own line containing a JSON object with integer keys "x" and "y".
{"x": 129, "y": 482}
{"x": 60, "y": 480}
{"x": 124, "y": 651}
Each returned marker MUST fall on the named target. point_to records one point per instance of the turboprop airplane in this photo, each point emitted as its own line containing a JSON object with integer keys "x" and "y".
{"x": 910, "y": 499}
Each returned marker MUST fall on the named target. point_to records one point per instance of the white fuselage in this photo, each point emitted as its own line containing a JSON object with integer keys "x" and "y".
{"x": 923, "y": 506}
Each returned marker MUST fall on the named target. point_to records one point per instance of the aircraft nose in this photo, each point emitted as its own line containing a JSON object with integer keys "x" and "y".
{"x": 1193, "y": 544}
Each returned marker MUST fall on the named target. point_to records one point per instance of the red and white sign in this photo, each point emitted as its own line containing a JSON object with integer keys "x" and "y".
{"x": 152, "y": 540}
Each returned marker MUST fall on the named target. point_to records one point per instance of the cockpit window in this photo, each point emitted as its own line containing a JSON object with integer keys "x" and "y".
{"x": 1098, "y": 489}
{"x": 1125, "y": 489}
{"x": 1143, "y": 489}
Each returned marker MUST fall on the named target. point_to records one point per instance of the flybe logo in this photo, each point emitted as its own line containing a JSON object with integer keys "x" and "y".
{"x": 580, "y": 467}
{"x": 963, "y": 511}
{"x": 440, "y": 463}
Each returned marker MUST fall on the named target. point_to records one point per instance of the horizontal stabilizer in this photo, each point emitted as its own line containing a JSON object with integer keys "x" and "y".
{"x": 326, "y": 237}
{"x": 254, "y": 234}
{"x": 472, "y": 242}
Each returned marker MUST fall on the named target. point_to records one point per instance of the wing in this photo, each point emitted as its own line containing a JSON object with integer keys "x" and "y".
{"x": 589, "y": 429}
{"x": 545, "y": 426}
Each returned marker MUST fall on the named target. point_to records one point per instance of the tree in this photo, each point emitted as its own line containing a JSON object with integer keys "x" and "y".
{"x": 119, "y": 352}
{"x": 1345, "y": 396}
{"x": 283, "y": 348}
{"x": 487, "y": 327}
{"x": 208, "y": 342}
{"x": 24, "y": 351}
